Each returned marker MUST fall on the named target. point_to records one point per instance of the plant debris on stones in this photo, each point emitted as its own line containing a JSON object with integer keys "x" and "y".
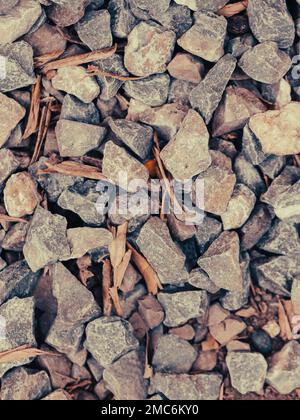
{"x": 149, "y": 201}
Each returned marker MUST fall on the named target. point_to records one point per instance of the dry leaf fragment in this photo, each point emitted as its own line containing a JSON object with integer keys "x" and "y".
{"x": 286, "y": 330}
{"x": 116, "y": 300}
{"x": 85, "y": 274}
{"x": 33, "y": 118}
{"x": 9, "y": 219}
{"x": 148, "y": 374}
{"x": 117, "y": 248}
{"x": 233, "y": 9}
{"x": 73, "y": 169}
{"x": 96, "y": 71}
{"x": 106, "y": 286}
{"x": 149, "y": 274}
{"x": 120, "y": 271}
{"x": 22, "y": 353}
{"x": 42, "y": 60}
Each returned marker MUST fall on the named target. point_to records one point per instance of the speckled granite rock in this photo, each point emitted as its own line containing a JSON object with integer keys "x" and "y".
{"x": 152, "y": 90}
{"x": 94, "y": 29}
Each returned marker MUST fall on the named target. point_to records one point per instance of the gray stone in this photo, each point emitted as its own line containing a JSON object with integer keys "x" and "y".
{"x": 296, "y": 296}
{"x": 199, "y": 387}
{"x": 181, "y": 307}
{"x": 7, "y": 5}
{"x": 199, "y": 279}
{"x": 239, "y": 45}
{"x": 129, "y": 302}
{"x": 19, "y": 317}
{"x": 138, "y": 137}
{"x": 284, "y": 374}
{"x": 46, "y": 242}
{"x": 257, "y": 226}
{"x": 150, "y": 7}
{"x": 247, "y": 371}
{"x": 163, "y": 254}
{"x": 270, "y": 20}
{"x": 8, "y": 165}
{"x": 173, "y": 355}
{"x": 117, "y": 164}
{"x": 186, "y": 159}
{"x": 75, "y": 139}
{"x": 64, "y": 13}
{"x": 87, "y": 240}
{"x": 207, "y": 232}
{"x": 206, "y": 97}
{"x": 149, "y": 49}
{"x": 16, "y": 113}
{"x": 273, "y": 166}
{"x": 75, "y": 110}
{"x": 222, "y": 258}
{"x": 94, "y": 30}
{"x": 75, "y": 81}
{"x": 109, "y": 85}
{"x": 180, "y": 230}
{"x": 239, "y": 208}
{"x": 82, "y": 199}
{"x": 17, "y": 280}
{"x": 252, "y": 148}
{"x": 152, "y": 91}
{"x": 282, "y": 239}
{"x": 176, "y": 18}
{"x": 125, "y": 378}
{"x": 206, "y": 38}
{"x": 122, "y": 18}
{"x": 179, "y": 92}
{"x": 276, "y": 274}
{"x": 19, "y": 20}
{"x": 287, "y": 207}
{"x": 108, "y": 339}
{"x": 249, "y": 175}
{"x": 25, "y": 385}
{"x": 265, "y": 63}
{"x": 279, "y": 94}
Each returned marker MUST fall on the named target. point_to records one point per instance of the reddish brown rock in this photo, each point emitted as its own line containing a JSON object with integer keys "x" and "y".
{"x": 186, "y": 67}
{"x": 46, "y": 40}
{"x": 151, "y": 311}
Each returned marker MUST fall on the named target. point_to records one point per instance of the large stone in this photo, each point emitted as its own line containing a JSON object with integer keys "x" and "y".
{"x": 46, "y": 40}
{"x": 218, "y": 182}
{"x": 237, "y": 107}
{"x": 75, "y": 81}
{"x": 207, "y": 37}
{"x": 46, "y": 242}
{"x": 249, "y": 175}
{"x": 240, "y": 207}
{"x": 277, "y": 131}
{"x": 282, "y": 239}
{"x": 25, "y": 385}
{"x": 163, "y": 254}
{"x": 248, "y": 371}
{"x": 270, "y": 20}
{"x": 17, "y": 280}
{"x": 110, "y": 85}
{"x": 87, "y": 240}
{"x": 206, "y": 97}
{"x": 19, "y": 20}
{"x": 20, "y": 195}
{"x": 181, "y": 307}
{"x": 176, "y": 18}
{"x": 149, "y": 49}
{"x": 122, "y": 18}
{"x": 222, "y": 262}
{"x": 187, "y": 158}
{"x": 125, "y": 378}
{"x": 108, "y": 339}
{"x": 119, "y": 165}
{"x": 152, "y": 90}
{"x": 284, "y": 374}
{"x": 75, "y": 139}
{"x": 257, "y": 226}
{"x": 265, "y": 63}
{"x": 16, "y": 113}
{"x": 151, "y": 311}
{"x": 19, "y": 326}
{"x": 94, "y": 30}
{"x": 15, "y": 238}
{"x": 173, "y": 355}
{"x": 64, "y": 13}
{"x": 201, "y": 387}
{"x": 207, "y": 232}
{"x": 8, "y": 165}
{"x": 75, "y": 110}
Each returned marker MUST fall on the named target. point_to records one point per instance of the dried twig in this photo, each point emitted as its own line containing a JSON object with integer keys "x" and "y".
{"x": 286, "y": 330}
{"x": 73, "y": 169}
{"x": 96, "y": 71}
{"x": 33, "y": 118}
{"x": 106, "y": 286}
{"x": 9, "y": 219}
{"x": 233, "y": 9}
{"x": 22, "y": 353}
{"x": 42, "y": 60}
{"x": 77, "y": 60}
{"x": 43, "y": 129}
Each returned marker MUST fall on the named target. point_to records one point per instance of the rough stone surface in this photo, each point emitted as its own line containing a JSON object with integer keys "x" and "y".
{"x": 199, "y": 279}
{"x": 122, "y": 18}
{"x": 248, "y": 371}
{"x": 265, "y": 63}
{"x": 94, "y": 30}
{"x": 163, "y": 254}
{"x": 206, "y": 97}
{"x": 182, "y": 306}
{"x": 151, "y": 311}
{"x": 75, "y": 110}
{"x": 46, "y": 242}
{"x": 282, "y": 239}
{"x": 108, "y": 339}
{"x": 87, "y": 240}
{"x": 58, "y": 395}
{"x": 186, "y": 67}
{"x": 296, "y": 296}
{"x": 249, "y": 175}
{"x": 8, "y": 164}
{"x": 287, "y": 208}
{"x": 20, "y": 195}
{"x": 207, "y": 232}
{"x": 226, "y": 331}
{"x": 186, "y": 159}
{"x": 16, "y": 113}
{"x": 152, "y": 90}
{"x": 7, "y": 5}
{"x": 257, "y": 226}
{"x": 55, "y": 41}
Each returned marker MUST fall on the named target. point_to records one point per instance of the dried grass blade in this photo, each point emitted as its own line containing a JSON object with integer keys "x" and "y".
{"x": 233, "y": 9}
{"x": 116, "y": 300}
{"x": 9, "y": 219}
{"x": 120, "y": 271}
{"x": 42, "y": 60}
{"x": 73, "y": 169}
{"x": 96, "y": 71}
{"x": 22, "y": 353}
{"x": 286, "y": 330}
{"x": 33, "y": 118}
{"x": 117, "y": 248}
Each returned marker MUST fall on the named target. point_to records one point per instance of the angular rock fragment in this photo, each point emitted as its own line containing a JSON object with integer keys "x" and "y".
{"x": 176, "y": 18}
{"x": 20, "y": 195}
{"x": 94, "y": 30}
{"x": 201, "y": 387}
{"x": 287, "y": 208}
{"x": 222, "y": 258}
{"x": 74, "y": 80}
{"x": 149, "y": 49}
{"x": 207, "y": 37}
{"x": 284, "y": 374}
{"x": 173, "y": 355}
{"x": 207, "y": 232}
{"x": 186, "y": 159}
{"x": 162, "y": 253}
{"x": 119, "y": 165}
{"x": 17, "y": 280}
{"x": 108, "y": 339}
{"x": 125, "y": 378}
{"x": 152, "y": 90}
{"x": 75, "y": 110}
{"x": 265, "y": 63}
{"x": 248, "y": 371}
{"x": 282, "y": 239}
{"x": 75, "y": 139}
{"x": 199, "y": 279}
{"x": 46, "y": 242}
{"x": 206, "y": 97}
{"x": 186, "y": 67}
{"x": 122, "y": 19}
{"x": 55, "y": 41}
{"x": 87, "y": 240}
{"x": 226, "y": 331}
{"x": 257, "y": 226}
{"x": 279, "y": 94}
{"x": 213, "y": 5}
{"x": 180, "y": 230}
{"x": 271, "y": 21}
{"x": 239, "y": 209}
{"x": 8, "y": 164}
{"x": 239, "y": 45}
{"x": 181, "y": 307}
{"x": 19, "y": 317}
{"x": 252, "y": 148}
{"x": 16, "y": 113}
{"x": 248, "y": 175}
{"x": 63, "y": 13}
{"x": 138, "y": 137}
{"x": 151, "y": 311}
{"x": 273, "y": 166}
{"x": 25, "y": 385}
{"x": 7, "y": 5}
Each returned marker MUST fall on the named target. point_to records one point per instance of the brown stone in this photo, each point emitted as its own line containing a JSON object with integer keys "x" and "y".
{"x": 186, "y": 332}
{"x": 186, "y": 67}
{"x": 206, "y": 361}
{"x": 46, "y": 40}
{"x": 16, "y": 113}
{"x": 227, "y": 330}
{"x": 20, "y": 195}
{"x": 151, "y": 311}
